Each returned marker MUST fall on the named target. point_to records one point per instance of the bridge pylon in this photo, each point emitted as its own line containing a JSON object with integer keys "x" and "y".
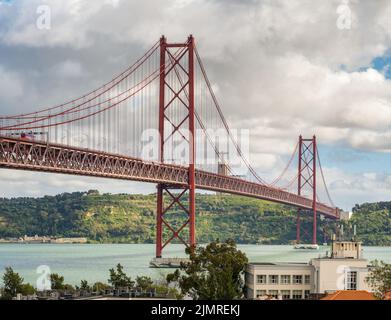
{"x": 176, "y": 118}
{"x": 307, "y": 182}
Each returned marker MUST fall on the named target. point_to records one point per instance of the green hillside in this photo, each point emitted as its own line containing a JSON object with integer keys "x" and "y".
{"x": 373, "y": 221}
{"x": 131, "y": 219}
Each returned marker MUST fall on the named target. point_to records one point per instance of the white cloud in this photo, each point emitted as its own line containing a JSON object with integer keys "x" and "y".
{"x": 32, "y": 184}
{"x": 349, "y": 189}
{"x": 11, "y": 86}
{"x": 69, "y": 69}
{"x": 280, "y": 61}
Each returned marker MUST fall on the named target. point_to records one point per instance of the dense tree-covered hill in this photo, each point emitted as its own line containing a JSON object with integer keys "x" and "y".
{"x": 131, "y": 219}
{"x": 373, "y": 221}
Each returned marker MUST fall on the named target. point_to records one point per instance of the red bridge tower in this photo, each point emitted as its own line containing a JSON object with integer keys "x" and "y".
{"x": 176, "y": 100}
{"x": 307, "y": 181}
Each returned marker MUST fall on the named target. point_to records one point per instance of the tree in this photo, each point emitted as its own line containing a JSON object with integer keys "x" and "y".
{"x": 84, "y": 285}
{"x": 27, "y": 289}
{"x": 57, "y": 281}
{"x": 68, "y": 288}
{"x": 213, "y": 273}
{"x": 119, "y": 278}
{"x": 379, "y": 278}
{"x": 13, "y": 283}
{"x": 144, "y": 282}
{"x": 99, "y": 287}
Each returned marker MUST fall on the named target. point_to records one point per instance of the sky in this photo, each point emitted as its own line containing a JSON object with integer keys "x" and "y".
{"x": 297, "y": 67}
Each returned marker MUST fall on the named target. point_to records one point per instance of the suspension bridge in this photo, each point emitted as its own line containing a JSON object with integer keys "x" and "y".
{"x": 110, "y": 133}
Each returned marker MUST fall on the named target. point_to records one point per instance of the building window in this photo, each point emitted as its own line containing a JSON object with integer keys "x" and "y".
{"x": 297, "y": 294}
{"x": 261, "y": 279}
{"x": 285, "y": 279}
{"x": 261, "y": 293}
{"x": 286, "y": 294}
{"x": 307, "y": 294}
{"x": 307, "y": 279}
{"x": 351, "y": 280}
{"x": 273, "y": 294}
{"x": 273, "y": 279}
{"x": 297, "y": 279}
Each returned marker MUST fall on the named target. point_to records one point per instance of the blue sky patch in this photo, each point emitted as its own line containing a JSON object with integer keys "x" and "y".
{"x": 383, "y": 64}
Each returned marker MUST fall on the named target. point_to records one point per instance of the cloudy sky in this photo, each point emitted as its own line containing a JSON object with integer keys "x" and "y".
{"x": 295, "y": 67}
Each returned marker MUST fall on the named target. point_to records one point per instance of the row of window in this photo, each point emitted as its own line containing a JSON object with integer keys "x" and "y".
{"x": 284, "y": 294}
{"x": 283, "y": 279}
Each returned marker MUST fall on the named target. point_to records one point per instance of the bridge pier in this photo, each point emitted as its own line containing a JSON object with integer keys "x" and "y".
{"x": 168, "y": 199}
{"x": 307, "y": 182}
{"x": 298, "y": 227}
{"x": 174, "y": 100}
{"x": 159, "y": 221}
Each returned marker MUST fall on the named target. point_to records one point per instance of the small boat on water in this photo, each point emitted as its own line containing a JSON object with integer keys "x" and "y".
{"x": 306, "y": 247}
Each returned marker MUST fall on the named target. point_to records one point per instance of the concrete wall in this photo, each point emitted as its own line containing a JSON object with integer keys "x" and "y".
{"x": 330, "y": 274}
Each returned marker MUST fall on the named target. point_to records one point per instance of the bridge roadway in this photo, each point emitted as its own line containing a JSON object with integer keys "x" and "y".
{"x": 39, "y": 156}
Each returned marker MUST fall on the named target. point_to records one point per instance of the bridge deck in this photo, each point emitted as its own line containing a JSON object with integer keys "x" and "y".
{"x": 39, "y": 156}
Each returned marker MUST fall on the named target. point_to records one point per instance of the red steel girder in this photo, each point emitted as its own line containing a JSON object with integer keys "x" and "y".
{"x": 55, "y": 158}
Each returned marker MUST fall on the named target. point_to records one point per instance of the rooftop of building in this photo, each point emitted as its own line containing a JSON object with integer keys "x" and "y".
{"x": 339, "y": 258}
{"x": 350, "y": 295}
{"x": 278, "y": 263}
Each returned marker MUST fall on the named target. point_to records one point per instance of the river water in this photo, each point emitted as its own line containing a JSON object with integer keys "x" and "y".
{"x": 92, "y": 261}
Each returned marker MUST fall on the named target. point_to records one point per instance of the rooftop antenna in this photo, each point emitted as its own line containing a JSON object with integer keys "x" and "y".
{"x": 332, "y": 245}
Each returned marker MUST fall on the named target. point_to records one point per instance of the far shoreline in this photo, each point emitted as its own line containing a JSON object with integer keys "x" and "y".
{"x": 133, "y": 243}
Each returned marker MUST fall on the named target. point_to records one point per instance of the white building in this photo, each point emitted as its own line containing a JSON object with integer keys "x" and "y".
{"x": 345, "y": 215}
{"x": 345, "y": 269}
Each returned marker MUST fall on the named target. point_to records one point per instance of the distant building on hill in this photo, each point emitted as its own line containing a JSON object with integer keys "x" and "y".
{"x": 44, "y": 239}
{"x": 69, "y": 240}
{"x": 35, "y": 239}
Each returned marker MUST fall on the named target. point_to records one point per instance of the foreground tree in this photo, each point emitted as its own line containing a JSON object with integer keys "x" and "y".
{"x": 379, "y": 278}
{"x": 84, "y": 286}
{"x": 57, "y": 281}
{"x": 100, "y": 286}
{"x": 213, "y": 273}
{"x": 27, "y": 289}
{"x": 144, "y": 282}
{"x": 59, "y": 285}
{"x": 12, "y": 283}
{"x": 118, "y": 278}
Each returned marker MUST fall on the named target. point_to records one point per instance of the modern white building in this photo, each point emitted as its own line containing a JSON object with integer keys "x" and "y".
{"x": 344, "y": 269}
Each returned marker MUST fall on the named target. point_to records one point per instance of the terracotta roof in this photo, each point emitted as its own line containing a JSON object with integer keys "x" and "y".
{"x": 350, "y": 295}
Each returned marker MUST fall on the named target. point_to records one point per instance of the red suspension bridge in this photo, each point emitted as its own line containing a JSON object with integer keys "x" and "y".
{"x": 110, "y": 133}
